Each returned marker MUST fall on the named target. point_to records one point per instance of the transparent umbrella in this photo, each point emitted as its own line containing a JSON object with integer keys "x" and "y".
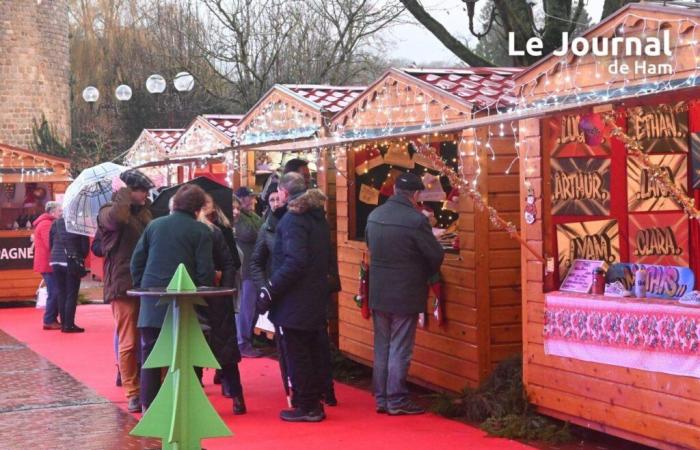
{"x": 86, "y": 194}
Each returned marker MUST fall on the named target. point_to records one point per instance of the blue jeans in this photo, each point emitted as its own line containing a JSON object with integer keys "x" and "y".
{"x": 246, "y": 317}
{"x": 51, "y": 311}
{"x": 394, "y": 336}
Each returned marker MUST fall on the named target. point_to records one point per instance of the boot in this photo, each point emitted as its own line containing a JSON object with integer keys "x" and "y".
{"x": 225, "y": 389}
{"x": 239, "y": 405}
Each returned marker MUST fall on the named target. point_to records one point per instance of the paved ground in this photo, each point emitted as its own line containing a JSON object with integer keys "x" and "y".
{"x": 43, "y": 407}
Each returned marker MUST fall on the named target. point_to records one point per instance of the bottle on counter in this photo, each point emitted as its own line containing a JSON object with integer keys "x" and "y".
{"x": 599, "y": 281}
{"x": 640, "y": 282}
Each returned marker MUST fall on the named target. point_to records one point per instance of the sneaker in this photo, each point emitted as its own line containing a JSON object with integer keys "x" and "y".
{"x": 300, "y": 415}
{"x": 408, "y": 408}
{"x": 252, "y": 353}
{"x": 52, "y": 326}
{"x": 134, "y": 405}
{"x": 73, "y": 329}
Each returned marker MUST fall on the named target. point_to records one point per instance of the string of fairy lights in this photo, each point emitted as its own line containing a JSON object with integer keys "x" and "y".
{"x": 29, "y": 167}
{"x": 400, "y": 106}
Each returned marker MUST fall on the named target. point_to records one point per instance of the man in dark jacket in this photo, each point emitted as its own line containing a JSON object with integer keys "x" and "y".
{"x": 122, "y": 222}
{"x": 68, "y": 251}
{"x": 404, "y": 254}
{"x": 165, "y": 243}
{"x": 298, "y": 287}
{"x": 246, "y": 226}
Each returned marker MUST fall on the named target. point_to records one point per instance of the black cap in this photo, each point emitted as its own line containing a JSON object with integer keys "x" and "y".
{"x": 409, "y": 182}
{"x": 136, "y": 179}
{"x": 243, "y": 192}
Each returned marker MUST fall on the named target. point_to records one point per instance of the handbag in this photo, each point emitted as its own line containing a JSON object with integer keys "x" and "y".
{"x": 76, "y": 265}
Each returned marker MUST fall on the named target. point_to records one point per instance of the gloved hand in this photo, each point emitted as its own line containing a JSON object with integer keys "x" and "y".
{"x": 263, "y": 302}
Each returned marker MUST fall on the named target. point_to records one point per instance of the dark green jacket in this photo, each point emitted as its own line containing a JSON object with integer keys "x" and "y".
{"x": 403, "y": 255}
{"x": 246, "y": 232}
{"x": 167, "y": 242}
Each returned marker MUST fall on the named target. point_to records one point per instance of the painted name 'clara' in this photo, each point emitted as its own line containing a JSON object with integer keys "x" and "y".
{"x": 599, "y": 46}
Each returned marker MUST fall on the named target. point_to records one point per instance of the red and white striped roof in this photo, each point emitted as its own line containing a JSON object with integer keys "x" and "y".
{"x": 225, "y": 123}
{"x": 330, "y": 98}
{"x": 166, "y": 137}
{"x": 484, "y": 87}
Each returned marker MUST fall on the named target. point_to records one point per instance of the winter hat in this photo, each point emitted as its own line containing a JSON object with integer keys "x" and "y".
{"x": 136, "y": 179}
{"x": 243, "y": 192}
{"x": 409, "y": 182}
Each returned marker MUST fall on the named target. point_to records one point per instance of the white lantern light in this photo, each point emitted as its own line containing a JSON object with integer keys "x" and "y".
{"x": 155, "y": 84}
{"x": 91, "y": 94}
{"x": 123, "y": 92}
{"x": 183, "y": 82}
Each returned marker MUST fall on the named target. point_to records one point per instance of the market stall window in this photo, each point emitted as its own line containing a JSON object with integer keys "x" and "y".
{"x": 376, "y": 168}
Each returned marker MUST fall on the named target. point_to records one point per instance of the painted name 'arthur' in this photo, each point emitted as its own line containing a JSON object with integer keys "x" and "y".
{"x": 599, "y": 46}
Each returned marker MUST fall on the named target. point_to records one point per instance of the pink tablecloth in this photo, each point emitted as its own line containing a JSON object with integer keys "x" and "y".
{"x": 659, "y": 337}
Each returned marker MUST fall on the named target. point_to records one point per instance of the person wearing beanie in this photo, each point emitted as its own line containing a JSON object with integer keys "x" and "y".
{"x": 120, "y": 225}
{"x": 404, "y": 255}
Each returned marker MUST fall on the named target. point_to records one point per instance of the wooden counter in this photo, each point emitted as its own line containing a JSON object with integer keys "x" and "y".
{"x": 17, "y": 279}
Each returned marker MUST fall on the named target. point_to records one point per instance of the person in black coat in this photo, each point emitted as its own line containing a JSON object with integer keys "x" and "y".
{"x": 404, "y": 253}
{"x": 298, "y": 288}
{"x": 68, "y": 253}
{"x": 220, "y": 312}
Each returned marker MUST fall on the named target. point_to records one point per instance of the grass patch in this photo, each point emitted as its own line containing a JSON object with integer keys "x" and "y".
{"x": 501, "y": 408}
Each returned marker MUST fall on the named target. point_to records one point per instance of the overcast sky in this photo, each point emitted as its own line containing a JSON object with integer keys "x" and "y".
{"x": 414, "y": 43}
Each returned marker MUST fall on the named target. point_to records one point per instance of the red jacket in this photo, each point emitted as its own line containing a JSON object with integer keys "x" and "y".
{"x": 42, "y": 251}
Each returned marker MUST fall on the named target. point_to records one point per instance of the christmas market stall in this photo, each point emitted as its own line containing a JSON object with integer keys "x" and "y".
{"x": 154, "y": 144}
{"x": 610, "y": 171}
{"x": 198, "y": 150}
{"x": 27, "y": 180}
{"x": 474, "y": 322}
{"x": 289, "y": 115}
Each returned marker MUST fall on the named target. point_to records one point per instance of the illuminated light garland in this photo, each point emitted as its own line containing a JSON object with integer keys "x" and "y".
{"x": 478, "y": 199}
{"x": 656, "y": 172}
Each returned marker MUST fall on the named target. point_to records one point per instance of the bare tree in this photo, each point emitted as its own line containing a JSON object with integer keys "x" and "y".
{"x": 516, "y": 16}
{"x": 239, "y": 48}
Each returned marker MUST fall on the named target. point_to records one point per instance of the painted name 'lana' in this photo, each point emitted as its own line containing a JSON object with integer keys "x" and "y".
{"x": 599, "y": 46}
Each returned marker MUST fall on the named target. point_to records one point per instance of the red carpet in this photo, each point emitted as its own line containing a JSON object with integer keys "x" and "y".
{"x": 89, "y": 357}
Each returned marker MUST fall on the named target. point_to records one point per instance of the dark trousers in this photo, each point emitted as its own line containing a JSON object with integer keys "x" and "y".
{"x": 394, "y": 336}
{"x": 325, "y": 367}
{"x": 303, "y": 359}
{"x": 51, "y": 312}
{"x": 67, "y": 287}
{"x": 231, "y": 377}
{"x": 150, "y": 378}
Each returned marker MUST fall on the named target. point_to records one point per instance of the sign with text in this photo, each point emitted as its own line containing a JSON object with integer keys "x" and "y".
{"x": 661, "y": 239}
{"x": 16, "y": 253}
{"x": 579, "y": 135}
{"x": 695, "y": 149}
{"x": 594, "y": 240}
{"x": 580, "y": 276}
{"x": 662, "y": 281}
{"x": 646, "y": 194}
{"x": 660, "y": 128}
{"x": 580, "y": 187}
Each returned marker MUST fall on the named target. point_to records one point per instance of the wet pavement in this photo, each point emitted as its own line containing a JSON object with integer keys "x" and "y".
{"x": 43, "y": 407}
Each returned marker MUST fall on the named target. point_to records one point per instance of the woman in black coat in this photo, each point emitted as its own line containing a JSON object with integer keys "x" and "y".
{"x": 220, "y": 312}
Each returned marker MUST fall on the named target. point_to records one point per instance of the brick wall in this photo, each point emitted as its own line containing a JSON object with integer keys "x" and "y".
{"x": 34, "y": 68}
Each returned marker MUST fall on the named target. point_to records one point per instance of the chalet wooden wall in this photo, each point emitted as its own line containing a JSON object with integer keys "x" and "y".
{"x": 481, "y": 285}
{"x": 649, "y": 407}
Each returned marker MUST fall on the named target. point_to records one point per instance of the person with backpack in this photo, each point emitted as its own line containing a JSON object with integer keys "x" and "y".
{"x": 121, "y": 224}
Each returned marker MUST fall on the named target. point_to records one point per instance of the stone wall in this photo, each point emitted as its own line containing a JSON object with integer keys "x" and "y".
{"x": 34, "y": 68}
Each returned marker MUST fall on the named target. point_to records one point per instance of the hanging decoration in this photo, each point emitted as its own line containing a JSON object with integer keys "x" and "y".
{"x": 468, "y": 188}
{"x": 656, "y": 172}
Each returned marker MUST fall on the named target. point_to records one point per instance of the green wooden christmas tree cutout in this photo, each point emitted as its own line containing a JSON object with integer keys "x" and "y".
{"x": 181, "y": 415}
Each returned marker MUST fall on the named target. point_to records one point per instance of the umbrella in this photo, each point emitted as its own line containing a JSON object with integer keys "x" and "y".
{"x": 86, "y": 194}
{"x": 222, "y": 196}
